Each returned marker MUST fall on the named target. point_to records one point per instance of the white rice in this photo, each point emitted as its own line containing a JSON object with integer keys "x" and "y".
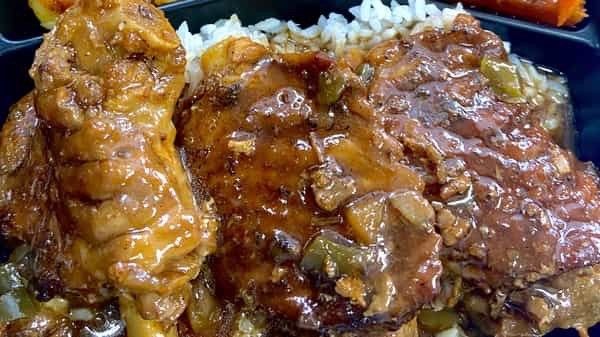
{"x": 372, "y": 23}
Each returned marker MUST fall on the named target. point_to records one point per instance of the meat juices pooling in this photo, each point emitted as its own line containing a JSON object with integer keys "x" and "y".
{"x": 417, "y": 152}
{"x": 117, "y": 207}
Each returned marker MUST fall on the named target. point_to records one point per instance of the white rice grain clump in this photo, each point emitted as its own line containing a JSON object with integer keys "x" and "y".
{"x": 373, "y": 22}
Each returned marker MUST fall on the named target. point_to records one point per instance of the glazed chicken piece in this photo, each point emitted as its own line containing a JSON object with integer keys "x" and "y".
{"x": 322, "y": 227}
{"x": 317, "y": 166}
{"x": 97, "y": 159}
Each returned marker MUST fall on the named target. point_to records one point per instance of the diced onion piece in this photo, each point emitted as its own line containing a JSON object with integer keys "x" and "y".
{"x": 17, "y": 304}
{"x": 81, "y": 314}
{"x": 137, "y": 326}
{"x": 365, "y": 217}
{"x": 414, "y": 208}
{"x": 366, "y": 72}
{"x": 203, "y": 310}
{"x": 10, "y": 278}
{"x": 249, "y": 326}
{"x": 57, "y": 305}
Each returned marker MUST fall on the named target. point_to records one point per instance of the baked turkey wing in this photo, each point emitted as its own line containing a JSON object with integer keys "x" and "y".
{"x": 106, "y": 81}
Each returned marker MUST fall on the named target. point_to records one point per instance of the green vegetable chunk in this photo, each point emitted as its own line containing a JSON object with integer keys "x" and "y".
{"x": 17, "y": 304}
{"x": 331, "y": 86}
{"x": 437, "y": 321}
{"x": 330, "y": 253}
{"x": 366, "y": 72}
{"x": 503, "y": 77}
{"x": 10, "y": 279}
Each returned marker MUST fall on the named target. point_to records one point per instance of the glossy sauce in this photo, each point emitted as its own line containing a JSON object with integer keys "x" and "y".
{"x": 268, "y": 193}
{"x": 534, "y": 206}
{"x": 508, "y": 203}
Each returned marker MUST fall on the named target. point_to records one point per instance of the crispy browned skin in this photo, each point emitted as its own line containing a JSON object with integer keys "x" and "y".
{"x": 24, "y": 172}
{"x": 511, "y": 206}
{"x": 27, "y": 193}
{"x": 107, "y": 79}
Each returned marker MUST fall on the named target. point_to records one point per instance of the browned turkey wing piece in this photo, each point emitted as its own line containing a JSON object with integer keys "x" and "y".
{"x": 24, "y": 172}
{"x": 27, "y": 192}
{"x": 309, "y": 163}
{"x": 102, "y": 168}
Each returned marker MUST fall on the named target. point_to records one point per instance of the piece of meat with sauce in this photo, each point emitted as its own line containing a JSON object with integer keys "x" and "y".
{"x": 27, "y": 192}
{"x": 340, "y": 185}
{"x": 569, "y": 300}
{"x": 320, "y": 225}
{"x": 512, "y": 206}
{"x": 24, "y": 172}
{"x": 97, "y": 159}
{"x": 532, "y": 206}
{"x": 303, "y": 154}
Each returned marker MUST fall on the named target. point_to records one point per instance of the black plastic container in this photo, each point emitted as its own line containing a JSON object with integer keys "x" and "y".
{"x": 573, "y": 51}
